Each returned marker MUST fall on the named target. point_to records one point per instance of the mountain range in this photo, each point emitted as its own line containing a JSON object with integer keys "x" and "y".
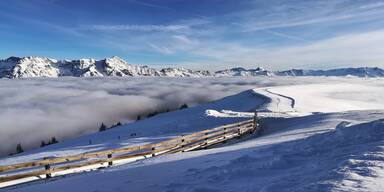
{"x": 27, "y": 67}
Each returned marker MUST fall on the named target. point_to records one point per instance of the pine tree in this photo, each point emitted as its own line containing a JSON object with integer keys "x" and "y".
{"x": 116, "y": 125}
{"x": 53, "y": 140}
{"x": 184, "y": 106}
{"x": 42, "y": 144}
{"x": 19, "y": 149}
{"x": 102, "y": 127}
{"x": 152, "y": 114}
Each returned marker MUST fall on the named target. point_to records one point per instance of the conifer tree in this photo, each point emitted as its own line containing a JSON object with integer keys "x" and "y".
{"x": 184, "y": 106}
{"x": 152, "y": 114}
{"x": 54, "y": 140}
{"x": 19, "y": 149}
{"x": 102, "y": 127}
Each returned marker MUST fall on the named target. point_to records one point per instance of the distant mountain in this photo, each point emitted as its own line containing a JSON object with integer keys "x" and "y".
{"x": 25, "y": 67}
{"x": 239, "y": 71}
{"x": 15, "y": 67}
{"x": 182, "y": 72}
{"x": 358, "y": 72}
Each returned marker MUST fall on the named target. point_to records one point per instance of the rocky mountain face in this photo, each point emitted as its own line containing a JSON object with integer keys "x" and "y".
{"x": 15, "y": 67}
{"x": 26, "y": 67}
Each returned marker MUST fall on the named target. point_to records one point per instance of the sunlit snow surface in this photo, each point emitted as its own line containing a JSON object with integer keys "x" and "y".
{"x": 320, "y": 134}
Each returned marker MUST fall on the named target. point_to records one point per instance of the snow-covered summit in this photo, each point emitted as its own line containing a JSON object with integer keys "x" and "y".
{"x": 239, "y": 71}
{"x": 182, "y": 72}
{"x": 15, "y": 67}
{"x": 20, "y": 67}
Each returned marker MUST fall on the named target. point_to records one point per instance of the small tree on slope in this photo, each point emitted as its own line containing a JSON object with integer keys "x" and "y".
{"x": 19, "y": 149}
{"x": 102, "y": 127}
{"x": 184, "y": 106}
{"x": 54, "y": 140}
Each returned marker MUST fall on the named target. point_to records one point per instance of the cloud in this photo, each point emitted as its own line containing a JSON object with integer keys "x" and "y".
{"x": 33, "y": 110}
{"x": 183, "y": 39}
{"x": 283, "y": 35}
{"x": 351, "y": 50}
{"x": 145, "y": 28}
{"x": 287, "y": 15}
{"x": 150, "y": 5}
{"x": 276, "y": 34}
{"x": 161, "y": 49}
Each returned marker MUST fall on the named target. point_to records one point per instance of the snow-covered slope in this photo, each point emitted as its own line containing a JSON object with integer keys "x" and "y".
{"x": 326, "y": 146}
{"x": 182, "y": 72}
{"x": 15, "y": 67}
{"x": 326, "y": 155}
{"x": 21, "y": 67}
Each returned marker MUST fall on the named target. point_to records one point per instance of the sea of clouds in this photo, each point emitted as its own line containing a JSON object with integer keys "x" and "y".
{"x": 34, "y": 110}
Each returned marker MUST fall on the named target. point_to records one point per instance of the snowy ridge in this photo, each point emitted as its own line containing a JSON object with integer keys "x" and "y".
{"x": 239, "y": 71}
{"x": 15, "y": 67}
{"x": 26, "y": 67}
{"x": 359, "y": 72}
{"x": 182, "y": 72}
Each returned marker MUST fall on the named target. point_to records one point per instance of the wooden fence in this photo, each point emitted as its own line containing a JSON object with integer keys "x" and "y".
{"x": 45, "y": 167}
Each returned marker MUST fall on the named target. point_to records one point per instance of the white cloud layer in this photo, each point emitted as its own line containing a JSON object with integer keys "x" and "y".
{"x": 146, "y": 28}
{"x": 33, "y": 110}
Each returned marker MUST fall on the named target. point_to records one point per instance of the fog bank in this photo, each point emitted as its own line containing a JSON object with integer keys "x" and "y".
{"x": 34, "y": 110}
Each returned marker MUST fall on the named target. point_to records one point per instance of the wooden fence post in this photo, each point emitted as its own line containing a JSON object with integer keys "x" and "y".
{"x": 225, "y": 132}
{"x": 182, "y": 143}
{"x": 47, "y": 167}
{"x": 110, "y": 163}
{"x": 239, "y": 133}
{"x": 153, "y": 151}
{"x": 254, "y": 122}
{"x": 205, "y": 141}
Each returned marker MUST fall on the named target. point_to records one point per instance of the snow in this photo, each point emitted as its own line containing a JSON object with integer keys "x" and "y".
{"x": 318, "y": 135}
{"x": 333, "y": 97}
{"x": 27, "y": 67}
{"x": 291, "y": 159}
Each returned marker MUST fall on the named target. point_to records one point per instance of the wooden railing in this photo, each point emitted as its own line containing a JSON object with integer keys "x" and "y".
{"x": 45, "y": 167}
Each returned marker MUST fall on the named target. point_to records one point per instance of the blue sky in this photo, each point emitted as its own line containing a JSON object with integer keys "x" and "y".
{"x": 200, "y": 34}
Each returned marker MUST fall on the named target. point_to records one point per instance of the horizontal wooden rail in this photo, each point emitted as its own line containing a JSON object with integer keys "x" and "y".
{"x": 193, "y": 141}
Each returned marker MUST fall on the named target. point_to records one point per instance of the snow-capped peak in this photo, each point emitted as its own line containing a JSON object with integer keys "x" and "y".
{"x": 18, "y": 67}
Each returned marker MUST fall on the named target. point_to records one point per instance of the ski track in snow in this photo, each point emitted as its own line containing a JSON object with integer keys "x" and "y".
{"x": 290, "y": 98}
